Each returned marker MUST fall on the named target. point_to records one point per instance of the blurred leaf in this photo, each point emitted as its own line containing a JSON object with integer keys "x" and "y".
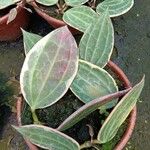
{"x": 47, "y": 2}
{"x": 7, "y": 3}
{"x": 12, "y": 15}
{"x": 75, "y": 2}
{"x": 115, "y": 7}
{"x": 80, "y": 17}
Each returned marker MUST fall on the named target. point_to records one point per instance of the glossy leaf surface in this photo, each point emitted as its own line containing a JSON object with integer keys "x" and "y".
{"x": 88, "y": 108}
{"x": 75, "y": 2}
{"x": 115, "y": 7}
{"x": 49, "y": 69}
{"x": 7, "y": 3}
{"x": 80, "y": 17}
{"x": 29, "y": 39}
{"x": 120, "y": 113}
{"x": 97, "y": 42}
{"x": 92, "y": 82}
{"x": 47, "y": 2}
{"x": 47, "y": 138}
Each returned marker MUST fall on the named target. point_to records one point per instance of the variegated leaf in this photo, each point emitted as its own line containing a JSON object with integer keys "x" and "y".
{"x": 12, "y": 15}
{"x": 29, "y": 40}
{"x": 97, "y": 42}
{"x": 49, "y": 69}
{"x": 119, "y": 114}
{"x": 75, "y": 2}
{"x": 92, "y": 82}
{"x": 47, "y": 2}
{"x": 115, "y": 7}
{"x": 47, "y": 138}
{"x": 88, "y": 108}
{"x": 7, "y": 3}
{"x": 80, "y": 17}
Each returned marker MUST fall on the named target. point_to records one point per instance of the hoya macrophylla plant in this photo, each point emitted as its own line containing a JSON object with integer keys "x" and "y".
{"x": 115, "y": 7}
{"x": 49, "y": 69}
{"x": 97, "y": 43}
{"x": 30, "y": 39}
{"x": 92, "y": 82}
{"x": 120, "y": 113}
{"x": 47, "y": 138}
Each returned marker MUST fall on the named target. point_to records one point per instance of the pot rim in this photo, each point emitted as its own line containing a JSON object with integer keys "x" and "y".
{"x": 131, "y": 121}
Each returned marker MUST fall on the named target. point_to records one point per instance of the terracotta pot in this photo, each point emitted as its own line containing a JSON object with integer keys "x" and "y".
{"x": 132, "y": 117}
{"x": 12, "y": 30}
{"x": 55, "y": 23}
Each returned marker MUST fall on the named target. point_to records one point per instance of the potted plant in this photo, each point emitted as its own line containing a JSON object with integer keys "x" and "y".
{"x": 52, "y": 66}
{"x": 13, "y": 16}
{"x": 80, "y": 13}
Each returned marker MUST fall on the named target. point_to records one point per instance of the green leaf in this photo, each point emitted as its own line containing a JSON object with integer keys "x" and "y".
{"x": 75, "y": 2}
{"x": 47, "y": 138}
{"x": 47, "y": 2}
{"x": 29, "y": 39}
{"x": 120, "y": 113}
{"x": 12, "y": 15}
{"x": 115, "y": 7}
{"x": 49, "y": 69}
{"x": 7, "y": 3}
{"x": 80, "y": 17}
{"x": 97, "y": 43}
{"x": 88, "y": 108}
{"x": 92, "y": 82}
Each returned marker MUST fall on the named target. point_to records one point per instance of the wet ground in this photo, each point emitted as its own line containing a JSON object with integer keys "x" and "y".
{"x": 132, "y": 42}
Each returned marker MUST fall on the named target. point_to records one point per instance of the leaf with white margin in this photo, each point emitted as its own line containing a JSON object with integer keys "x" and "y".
{"x": 12, "y": 15}
{"x": 92, "y": 82}
{"x": 97, "y": 43}
{"x": 115, "y": 7}
{"x": 80, "y": 17}
{"x": 29, "y": 40}
{"x": 47, "y": 2}
{"x": 7, "y": 3}
{"x": 47, "y": 138}
{"x": 120, "y": 113}
{"x": 75, "y": 2}
{"x": 88, "y": 108}
{"x": 49, "y": 69}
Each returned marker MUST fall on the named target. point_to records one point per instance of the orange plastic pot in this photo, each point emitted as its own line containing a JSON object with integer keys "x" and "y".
{"x": 55, "y": 23}
{"x": 131, "y": 120}
{"x": 12, "y": 30}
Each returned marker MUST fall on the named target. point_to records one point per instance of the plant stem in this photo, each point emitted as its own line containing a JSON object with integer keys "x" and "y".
{"x": 89, "y": 144}
{"x": 35, "y": 118}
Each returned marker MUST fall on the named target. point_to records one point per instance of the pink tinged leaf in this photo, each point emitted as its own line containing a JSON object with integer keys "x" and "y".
{"x": 49, "y": 68}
